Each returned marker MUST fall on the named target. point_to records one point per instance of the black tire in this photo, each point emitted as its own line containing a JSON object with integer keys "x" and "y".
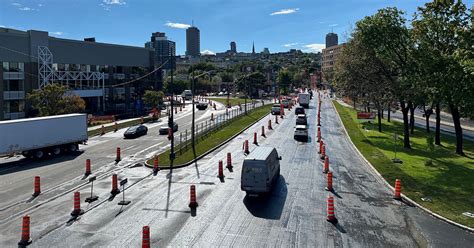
{"x": 73, "y": 147}
{"x": 55, "y": 151}
{"x": 39, "y": 154}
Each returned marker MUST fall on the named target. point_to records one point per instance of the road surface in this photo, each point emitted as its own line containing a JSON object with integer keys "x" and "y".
{"x": 293, "y": 215}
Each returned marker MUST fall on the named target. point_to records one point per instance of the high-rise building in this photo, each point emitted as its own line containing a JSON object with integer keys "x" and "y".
{"x": 329, "y": 59}
{"x": 233, "y": 47}
{"x": 266, "y": 50}
{"x": 163, "y": 48}
{"x": 331, "y": 40}
{"x": 193, "y": 43}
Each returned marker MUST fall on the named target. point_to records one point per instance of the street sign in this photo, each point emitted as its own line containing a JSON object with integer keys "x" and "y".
{"x": 123, "y": 182}
{"x": 365, "y": 115}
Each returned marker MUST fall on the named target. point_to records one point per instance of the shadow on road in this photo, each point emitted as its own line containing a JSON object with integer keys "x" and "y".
{"x": 26, "y": 163}
{"x": 270, "y": 206}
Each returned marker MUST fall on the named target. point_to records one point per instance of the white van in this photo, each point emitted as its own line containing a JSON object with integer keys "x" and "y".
{"x": 260, "y": 171}
{"x": 187, "y": 94}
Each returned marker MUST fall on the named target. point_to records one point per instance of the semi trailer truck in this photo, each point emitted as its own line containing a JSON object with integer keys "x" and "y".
{"x": 43, "y": 136}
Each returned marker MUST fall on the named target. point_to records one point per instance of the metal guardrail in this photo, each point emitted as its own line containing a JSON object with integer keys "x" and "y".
{"x": 205, "y": 128}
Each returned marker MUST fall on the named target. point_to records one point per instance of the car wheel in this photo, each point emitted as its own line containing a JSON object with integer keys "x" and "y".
{"x": 72, "y": 147}
{"x": 56, "y": 151}
{"x": 38, "y": 154}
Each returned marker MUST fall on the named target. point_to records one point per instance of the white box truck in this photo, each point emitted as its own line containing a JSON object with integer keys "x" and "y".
{"x": 304, "y": 98}
{"x": 42, "y": 136}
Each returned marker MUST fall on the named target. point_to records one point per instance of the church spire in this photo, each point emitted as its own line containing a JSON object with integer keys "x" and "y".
{"x": 253, "y": 47}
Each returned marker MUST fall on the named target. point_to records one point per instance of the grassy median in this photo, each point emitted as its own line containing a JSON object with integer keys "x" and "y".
{"x": 215, "y": 138}
{"x": 443, "y": 178}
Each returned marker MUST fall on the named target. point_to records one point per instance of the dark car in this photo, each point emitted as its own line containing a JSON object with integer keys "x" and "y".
{"x": 301, "y": 119}
{"x": 201, "y": 106}
{"x": 276, "y": 109}
{"x": 299, "y": 110}
{"x": 164, "y": 129}
{"x": 135, "y": 131}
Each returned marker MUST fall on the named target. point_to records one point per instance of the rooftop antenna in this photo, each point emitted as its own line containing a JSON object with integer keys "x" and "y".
{"x": 192, "y": 23}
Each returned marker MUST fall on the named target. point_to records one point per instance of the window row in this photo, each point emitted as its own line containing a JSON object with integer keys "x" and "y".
{"x": 13, "y": 85}
{"x": 13, "y": 67}
{"x": 13, "y": 106}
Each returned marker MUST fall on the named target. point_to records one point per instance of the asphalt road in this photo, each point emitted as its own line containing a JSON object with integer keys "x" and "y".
{"x": 293, "y": 215}
{"x": 66, "y": 172}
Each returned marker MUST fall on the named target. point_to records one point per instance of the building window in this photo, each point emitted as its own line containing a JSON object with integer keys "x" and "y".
{"x": 13, "y": 85}
{"x": 13, "y": 106}
{"x": 13, "y": 67}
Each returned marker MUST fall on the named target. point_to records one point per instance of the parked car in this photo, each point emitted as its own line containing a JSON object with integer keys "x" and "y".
{"x": 286, "y": 103}
{"x": 135, "y": 132}
{"x": 164, "y": 129}
{"x": 201, "y": 106}
{"x": 301, "y": 119}
{"x": 276, "y": 109}
{"x": 260, "y": 171}
{"x": 301, "y": 132}
{"x": 299, "y": 110}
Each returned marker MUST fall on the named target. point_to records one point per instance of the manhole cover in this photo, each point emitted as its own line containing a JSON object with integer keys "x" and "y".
{"x": 468, "y": 214}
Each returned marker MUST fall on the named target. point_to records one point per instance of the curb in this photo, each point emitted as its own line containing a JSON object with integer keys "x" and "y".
{"x": 212, "y": 149}
{"x": 392, "y": 188}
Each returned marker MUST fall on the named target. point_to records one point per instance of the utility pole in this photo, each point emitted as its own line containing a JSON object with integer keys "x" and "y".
{"x": 193, "y": 121}
{"x": 170, "y": 121}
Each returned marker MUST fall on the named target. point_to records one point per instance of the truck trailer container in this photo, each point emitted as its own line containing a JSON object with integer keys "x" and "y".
{"x": 42, "y": 136}
{"x": 304, "y": 99}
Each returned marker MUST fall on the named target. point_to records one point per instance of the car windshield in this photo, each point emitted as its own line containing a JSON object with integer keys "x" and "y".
{"x": 132, "y": 129}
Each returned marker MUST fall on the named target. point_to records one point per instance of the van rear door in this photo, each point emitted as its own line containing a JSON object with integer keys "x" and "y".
{"x": 254, "y": 176}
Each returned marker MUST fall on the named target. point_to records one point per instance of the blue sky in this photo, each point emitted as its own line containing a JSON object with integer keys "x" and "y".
{"x": 276, "y": 24}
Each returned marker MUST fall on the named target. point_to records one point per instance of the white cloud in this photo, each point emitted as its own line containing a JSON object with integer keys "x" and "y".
{"x": 285, "y": 11}
{"x": 177, "y": 25}
{"x": 290, "y": 44}
{"x": 333, "y": 25}
{"x": 40, "y": 5}
{"x": 207, "y": 52}
{"x": 114, "y": 2}
{"x": 1, "y": 26}
{"x": 314, "y": 48}
{"x": 26, "y": 9}
{"x": 57, "y": 33}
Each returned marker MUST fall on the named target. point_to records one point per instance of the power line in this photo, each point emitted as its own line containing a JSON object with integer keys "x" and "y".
{"x": 15, "y": 51}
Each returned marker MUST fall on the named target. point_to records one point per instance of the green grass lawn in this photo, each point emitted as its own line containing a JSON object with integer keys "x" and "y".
{"x": 448, "y": 181}
{"x": 214, "y": 139}
{"x": 233, "y": 100}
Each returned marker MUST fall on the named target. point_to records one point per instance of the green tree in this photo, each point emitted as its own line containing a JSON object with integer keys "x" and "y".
{"x": 54, "y": 99}
{"x": 153, "y": 98}
{"x": 387, "y": 35}
{"x": 443, "y": 34}
{"x": 284, "y": 80}
{"x": 178, "y": 86}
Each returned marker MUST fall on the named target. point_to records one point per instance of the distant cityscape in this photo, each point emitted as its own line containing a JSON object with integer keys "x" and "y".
{"x": 111, "y": 78}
